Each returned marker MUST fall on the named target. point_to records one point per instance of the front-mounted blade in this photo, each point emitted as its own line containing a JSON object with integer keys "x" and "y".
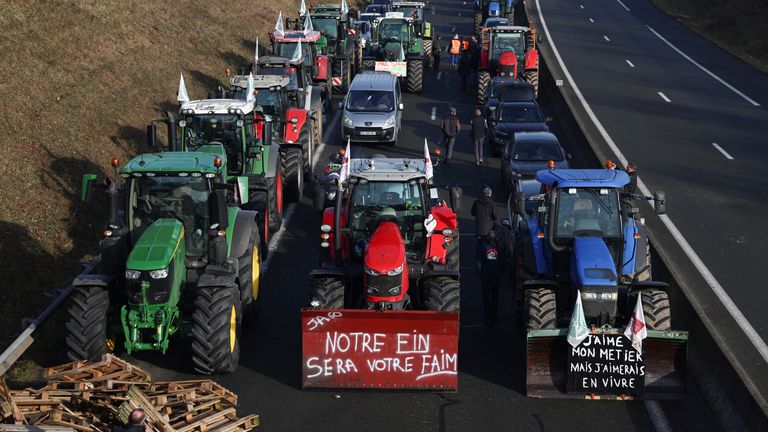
{"x": 380, "y": 349}
{"x": 551, "y": 363}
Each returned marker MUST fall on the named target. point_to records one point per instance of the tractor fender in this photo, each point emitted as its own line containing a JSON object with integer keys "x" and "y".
{"x": 414, "y": 56}
{"x": 100, "y": 280}
{"x": 634, "y": 248}
{"x": 321, "y": 67}
{"x": 244, "y": 223}
{"x": 217, "y": 278}
{"x": 328, "y": 272}
{"x": 531, "y": 60}
{"x": 540, "y": 283}
{"x": 293, "y": 130}
{"x": 533, "y": 247}
{"x": 273, "y": 162}
{"x": 435, "y": 271}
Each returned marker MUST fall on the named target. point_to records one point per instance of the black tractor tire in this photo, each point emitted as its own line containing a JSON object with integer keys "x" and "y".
{"x": 452, "y": 254}
{"x": 317, "y": 131}
{"x": 318, "y": 198}
{"x": 429, "y": 60}
{"x": 269, "y": 206}
{"x": 656, "y": 309}
{"x": 368, "y": 65}
{"x": 216, "y": 330}
{"x": 342, "y": 69}
{"x": 483, "y": 81}
{"x": 307, "y": 142}
{"x": 249, "y": 275}
{"x": 532, "y": 78}
{"x": 540, "y": 308}
{"x": 326, "y": 292}
{"x": 442, "y": 294}
{"x": 478, "y": 24}
{"x": 87, "y": 324}
{"x": 415, "y": 75}
{"x": 291, "y": 165}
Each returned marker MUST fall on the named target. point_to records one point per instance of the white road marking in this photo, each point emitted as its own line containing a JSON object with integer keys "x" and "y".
{"x": 707, "y": 71}
{"x": 724, "y": 298}
{"x": 663, "y": 96}
{"x": 623, "y": 5}
{"x": 591, "y": 20}
{"x": 453, "y": 29}
{"x": 581, "y": 6}
{"x": 433, "y": 116}
{"x": 606, "y": 38}
{"x": 629, "y": 63}
{"x": 659, "y": 420}
{"x": 722, "y": 150}
{"x": 439, "y": 75}
{"x": 459, "y": 13}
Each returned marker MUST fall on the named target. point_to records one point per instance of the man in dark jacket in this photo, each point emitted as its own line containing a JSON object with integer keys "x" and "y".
{"x": 136, "y": 422}
{"x": 450, "y": 127}
{"x": 478, "y": 131}
{"x": 484, "y": 212}
{"x": 465, "y": 68}
{"x": 436, "y": 54}
{"x": 491, "y": 268}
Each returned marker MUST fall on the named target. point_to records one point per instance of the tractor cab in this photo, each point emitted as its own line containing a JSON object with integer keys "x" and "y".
{"x": 504, "y": 48}
{"x": 313, "y": 43}
{"x": 284, "y": 66}
{"x": 415, "y": 11}
{"x": 333, "y": 24}
{"x": 393, "y": 37}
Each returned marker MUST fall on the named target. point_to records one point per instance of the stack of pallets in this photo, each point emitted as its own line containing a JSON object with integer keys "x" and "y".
{"x": 97, "y": 396}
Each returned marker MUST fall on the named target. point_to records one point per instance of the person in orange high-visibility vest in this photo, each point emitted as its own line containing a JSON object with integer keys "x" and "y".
{"x": 455, "y": 51}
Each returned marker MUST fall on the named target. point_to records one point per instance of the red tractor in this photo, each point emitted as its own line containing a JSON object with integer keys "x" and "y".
{"x": 508, "y": 51}
{"x": 312, "y": 44}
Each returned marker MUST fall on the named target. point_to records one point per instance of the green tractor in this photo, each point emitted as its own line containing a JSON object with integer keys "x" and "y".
{"x": 344, "y": 48}
{"x": 178, "y": 257}
{"x": 423, "y": 28}
{"x": 396, "y": 48}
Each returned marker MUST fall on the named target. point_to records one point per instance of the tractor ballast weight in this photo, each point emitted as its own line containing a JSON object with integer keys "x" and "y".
{"x": 508, "y": 51}
{"x": 395, "y": 48}
{"x": 179, "y": 258}
{"x": 389, "y": 277}
{"x": 584, "y": 236}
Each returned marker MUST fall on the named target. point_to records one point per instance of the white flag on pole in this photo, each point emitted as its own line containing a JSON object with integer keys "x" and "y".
{"x": 577, "y": 330}
{"x": 249, "y": 90}
{"x": 182, "y": 95}
{"x": 256, "y": 53}
{"x": 428, "y": 169}
{"x": 279, "y": 25}
{"x": 302, "y": 8}
{"x": 345, "y": 168}
{"x": 298, "y": 54}
{"x": 344, "y": 6}
{"x": 636, "y": 330}
{"x": 307, "y": 24}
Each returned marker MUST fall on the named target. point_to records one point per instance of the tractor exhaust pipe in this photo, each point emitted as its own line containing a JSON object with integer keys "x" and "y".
{"x": 112, "y": 203}
{"x": 337, "y": 222}
{"x": 171, "y": 123}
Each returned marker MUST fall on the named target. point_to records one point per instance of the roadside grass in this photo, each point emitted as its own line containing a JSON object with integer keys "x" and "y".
{"x": 738, "y": 26}
{"x": 81, "y": 79}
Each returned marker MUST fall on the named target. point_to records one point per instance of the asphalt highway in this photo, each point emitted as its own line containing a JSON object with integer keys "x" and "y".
{"x": 491, "y": 394}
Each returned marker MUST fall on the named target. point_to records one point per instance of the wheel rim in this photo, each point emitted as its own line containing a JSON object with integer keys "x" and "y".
{"x": 232, "y": 329}
{"x": 255, "y": 272}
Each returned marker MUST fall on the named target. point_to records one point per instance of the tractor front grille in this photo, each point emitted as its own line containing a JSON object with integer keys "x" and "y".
{"x": 379, "y": 286}
{"x": 159, "y": 289}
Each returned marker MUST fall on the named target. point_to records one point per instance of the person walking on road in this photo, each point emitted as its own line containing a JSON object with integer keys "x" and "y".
{"x": 464, "y": 70}
{"x": 436, "y": 54}
{"x": 450, "y": 127}
{"x": 455, "y": 51}
{"x": 478, "y": 131}
{"x": 491, "y": 268}
{"x": 484, "y": 212}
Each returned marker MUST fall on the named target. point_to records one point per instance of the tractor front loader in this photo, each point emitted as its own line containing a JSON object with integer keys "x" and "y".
{"x": 178, "y": 258}
{"x": 582, "y": 243}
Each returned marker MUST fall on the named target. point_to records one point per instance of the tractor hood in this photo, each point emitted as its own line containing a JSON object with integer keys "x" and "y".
{"x": 157, "y": 245}
{"x": 592, "y": 264}
{"x": 386, "y": 250}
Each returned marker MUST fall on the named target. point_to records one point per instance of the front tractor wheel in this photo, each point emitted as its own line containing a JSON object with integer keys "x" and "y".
{"x": 429, "y": 60}
{"x": 326, "y": 292}
{"x": 656, "y": 309}
{"x": 249, "y": 274}
{"x": 415, "y": 75}
{"x": 216, "y": 330}
{"x": 87, "y": 324}
{"x": 540, "y": 309}
{"x": 441, "y": 294}
{"x": 291, "y": 165}
{"x": 532, "y": 78}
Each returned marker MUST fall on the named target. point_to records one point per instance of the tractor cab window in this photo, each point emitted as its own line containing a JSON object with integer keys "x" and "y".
{"x": 507, "y": 42}
{"x": 402, "y": 203}
{"x": 411, "y": 11}
{"x": 588, "y": 212}
{"x": 203, "y": 129}
{"x": 287, "y": 49}
{"x": 329, "y": 27}
{"x": 269, "y": 101}
{"x": 294, "y": 82}
{"x": 393, "y": 31}
{"x": 183, "y": 198}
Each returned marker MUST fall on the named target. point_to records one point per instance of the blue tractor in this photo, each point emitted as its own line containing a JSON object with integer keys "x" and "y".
{"x": 583, "y": 234}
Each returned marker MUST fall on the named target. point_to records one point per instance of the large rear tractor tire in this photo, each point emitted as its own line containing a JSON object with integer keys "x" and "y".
{"x": 532, "y": 78}
{"x": 415, "y": 75}
{"x": 326, "y": 292}
{"x": 656, "y": 309}
{"x": 483, "y": 81}
{"x": 216, "y": 330}
{"x": 87, "y": 324}
{"x": 442, "y": 294}
{"x": 249, "y": 275}
{"x": 540, "y": 308}
{"x": 317, "y": 131}
{"x": 292, "y": 166}
{"x": 429, "y": 60}
{"x": 478, "y": 24}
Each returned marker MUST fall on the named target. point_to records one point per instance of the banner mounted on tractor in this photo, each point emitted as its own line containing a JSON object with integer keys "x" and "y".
{"x": 379, "y": 349}
{"x": 396, "y": 68}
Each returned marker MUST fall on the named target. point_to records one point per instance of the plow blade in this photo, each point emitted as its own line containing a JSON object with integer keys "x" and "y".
{"x": 379, "y": 349}
{"x": 606, "y": 366}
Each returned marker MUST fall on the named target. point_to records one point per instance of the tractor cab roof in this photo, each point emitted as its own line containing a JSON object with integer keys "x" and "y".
{"x": 296, "y": 36}
{"x": 510, "y": 29}
{"x": 277, "y": 61}
{"x": 260, "y": 81}
{"x": 388, "y": 169}
{"x": 583, "y": 178}
{"x": 174, "y": 163}
{"x": 326, "y": 9}
{"x": 408, "y": 4}
{"x": 217, "y": 106}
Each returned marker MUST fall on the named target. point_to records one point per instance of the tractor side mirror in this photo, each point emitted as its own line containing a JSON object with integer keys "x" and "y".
{"x": 519, "y": 202}
{"x": 218, "y": 208}
{"x": 86, "y": 190}
{"x": 660, "y": 202}
{"x": 456, "y": 195}
{"x": 151, "y": 136}
{"x": 241, "y": 183}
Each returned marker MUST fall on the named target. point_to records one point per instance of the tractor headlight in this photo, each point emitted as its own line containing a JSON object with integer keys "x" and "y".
{"x": 159, "y": 274}
{"x": 132, "y": 274}
{"x": 397, "y": 271}
{"x": 347, "y": 121}
{"x": 389, "y": 122}
{"x": 448, "y": 232}
{"x": 373, "y": 272}
{"x": 394, "y": 291}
